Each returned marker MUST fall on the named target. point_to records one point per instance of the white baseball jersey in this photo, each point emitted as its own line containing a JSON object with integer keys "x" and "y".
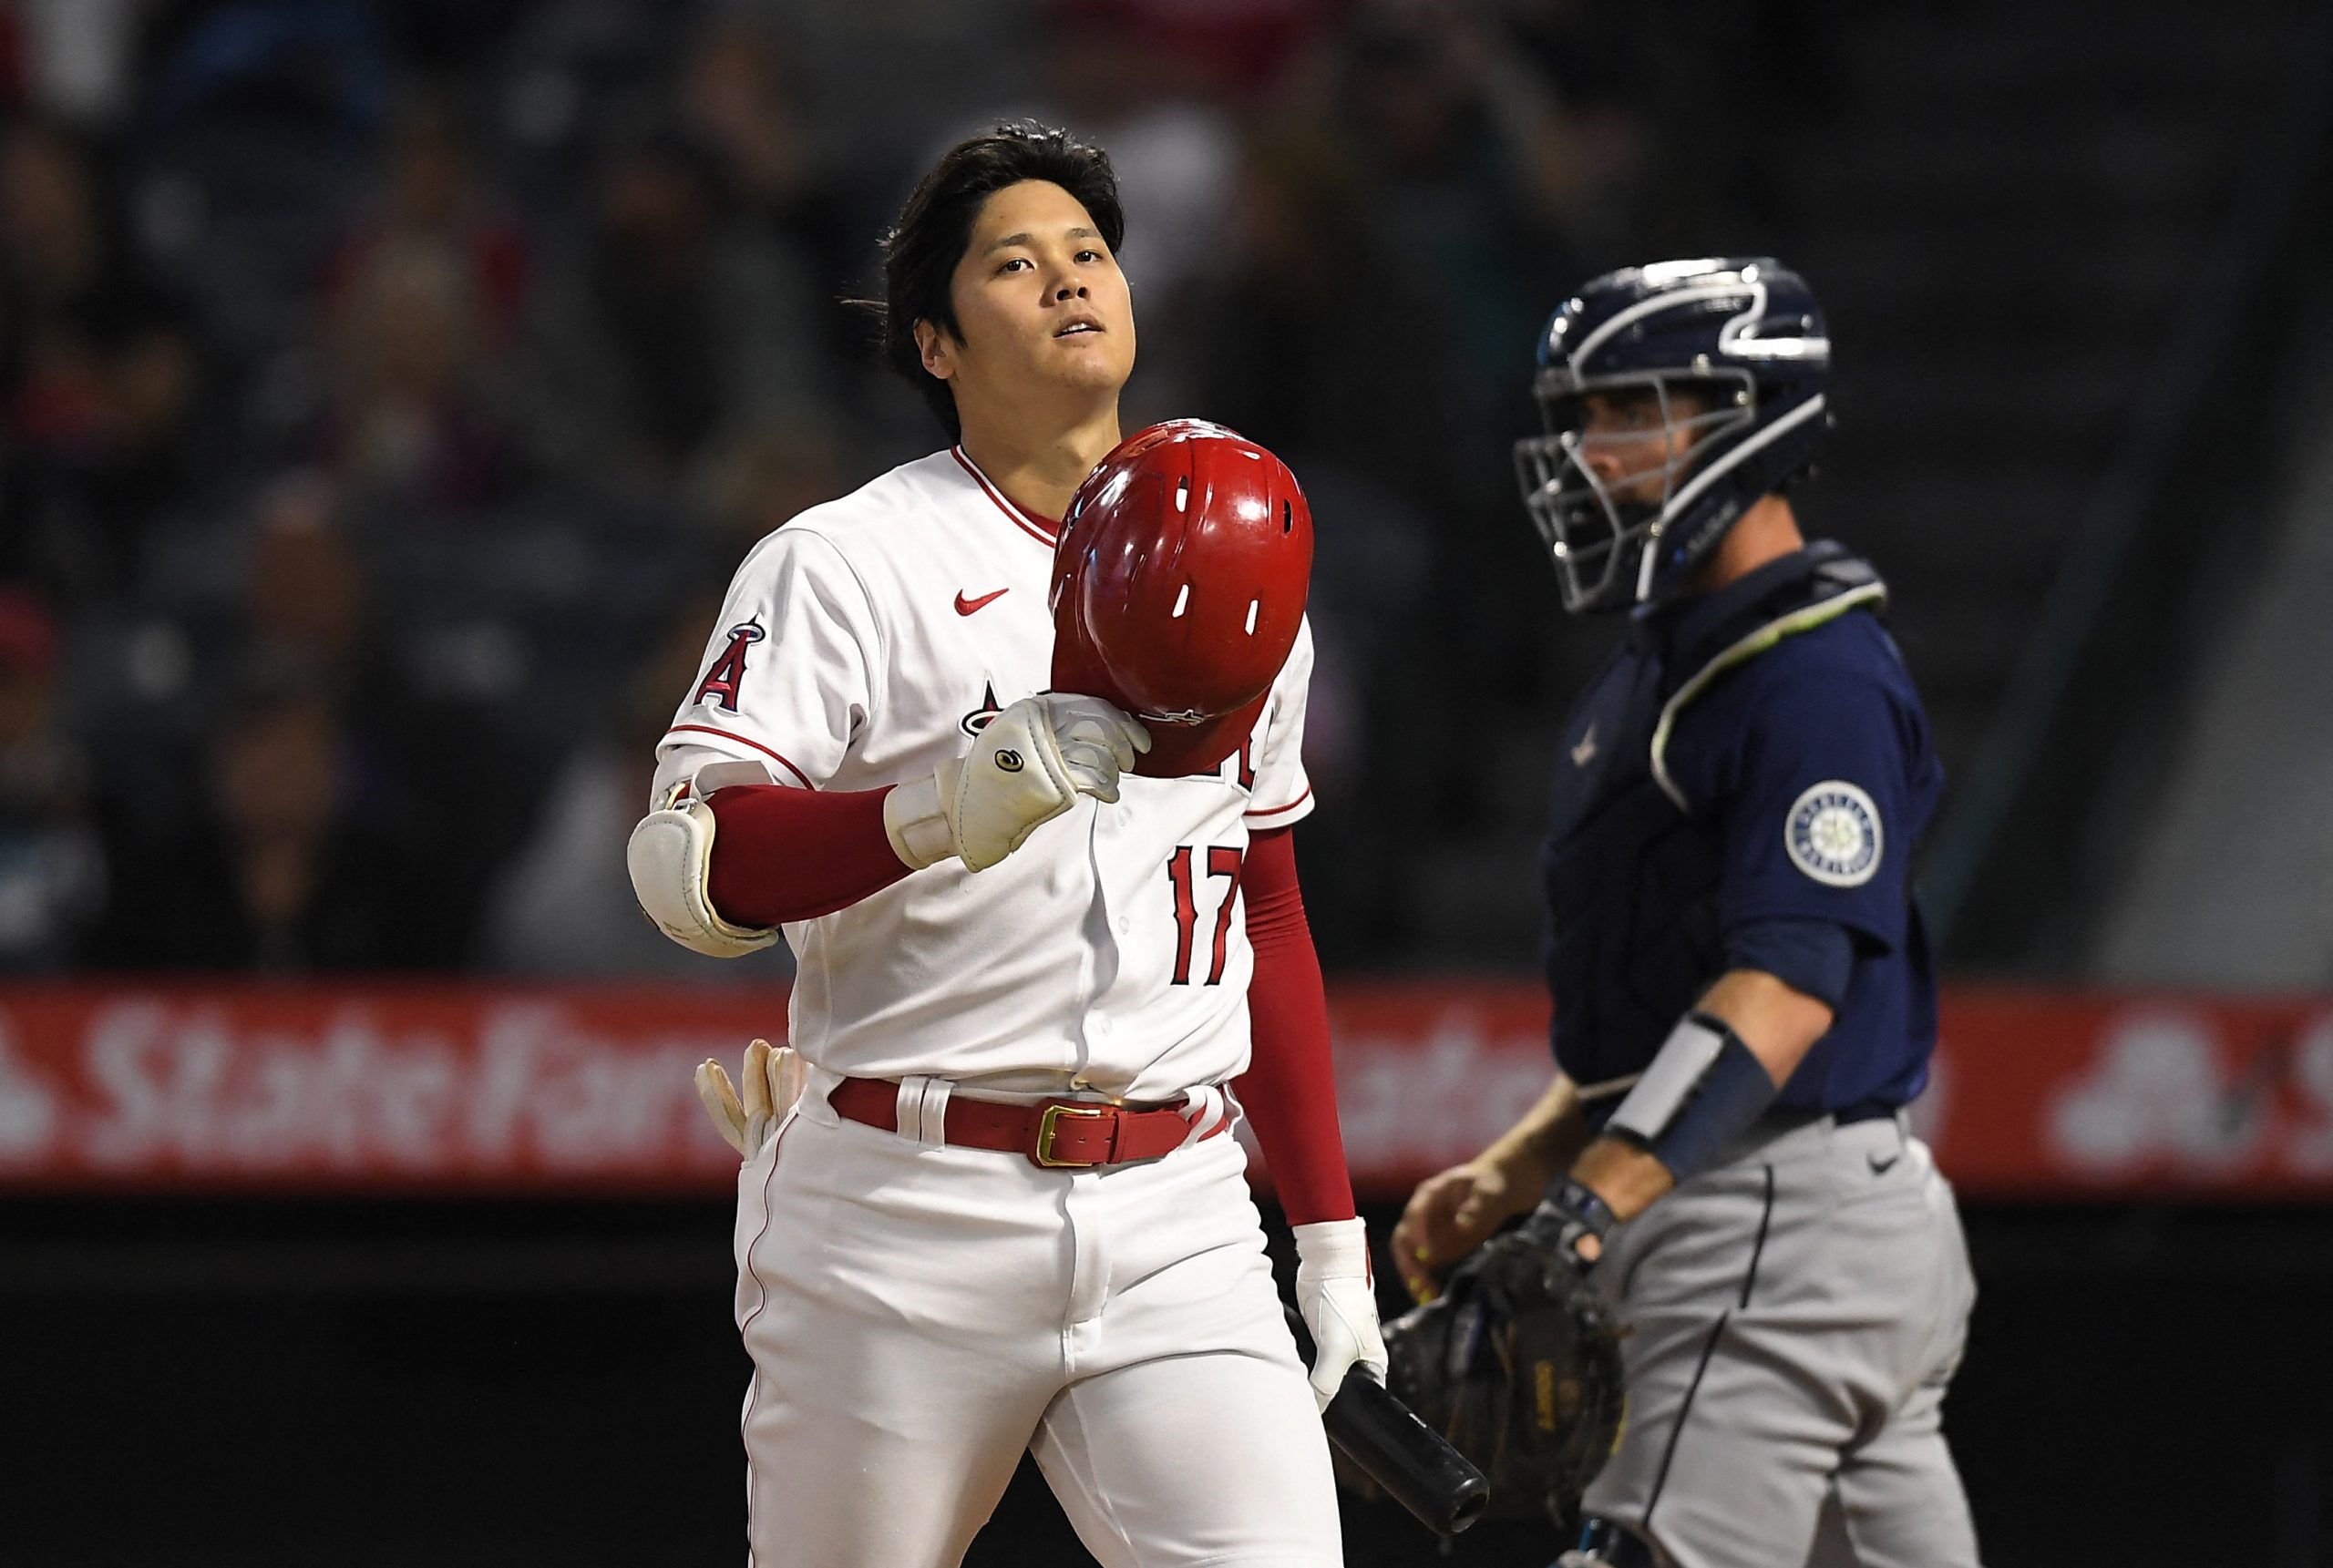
{"x": 866, "y": 642}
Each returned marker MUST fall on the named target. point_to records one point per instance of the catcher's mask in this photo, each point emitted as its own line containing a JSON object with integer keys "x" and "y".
{"x": 1743, "y": 341}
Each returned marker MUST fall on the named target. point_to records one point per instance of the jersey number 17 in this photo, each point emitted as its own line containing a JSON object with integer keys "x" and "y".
{"x": 1221, "y": 861}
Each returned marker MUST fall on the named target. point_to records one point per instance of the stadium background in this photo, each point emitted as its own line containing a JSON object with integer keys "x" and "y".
{"x": 386, "y": 389}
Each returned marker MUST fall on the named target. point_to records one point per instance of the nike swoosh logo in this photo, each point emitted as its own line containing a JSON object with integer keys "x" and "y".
{"x": 1584, "y": 752}
{"x": 966, "y": 606}
{"x": 1880, "y": 1167}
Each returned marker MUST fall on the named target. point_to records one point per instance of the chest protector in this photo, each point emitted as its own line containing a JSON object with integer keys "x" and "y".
{"x": 1631, "y": 867}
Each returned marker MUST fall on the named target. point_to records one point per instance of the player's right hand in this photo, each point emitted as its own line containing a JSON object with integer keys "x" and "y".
{"x": 1096, "y": 741}
{"x": 1028, "y": 766}
{"x": 1449, "y": 1216}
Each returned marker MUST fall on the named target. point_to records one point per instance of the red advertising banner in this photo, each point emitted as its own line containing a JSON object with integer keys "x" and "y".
{"x": 2069, "y": 1095}
{"x": 420, "y": 1088}
{"x": 578, "y": 1089}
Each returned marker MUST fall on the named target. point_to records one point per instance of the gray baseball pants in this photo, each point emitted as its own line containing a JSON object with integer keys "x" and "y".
{"x": 1795, "y": 1313}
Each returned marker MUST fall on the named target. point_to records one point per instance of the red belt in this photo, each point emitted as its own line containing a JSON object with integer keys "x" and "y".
{"x": 1055, "y": 1133}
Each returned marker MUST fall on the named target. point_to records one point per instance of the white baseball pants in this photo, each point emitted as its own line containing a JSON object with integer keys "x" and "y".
{"x": 920, "y": 1315}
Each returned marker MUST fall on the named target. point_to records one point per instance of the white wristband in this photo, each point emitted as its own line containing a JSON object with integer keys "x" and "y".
{"x": 914, "y": 822}
{"x": 1332, "y": 1249}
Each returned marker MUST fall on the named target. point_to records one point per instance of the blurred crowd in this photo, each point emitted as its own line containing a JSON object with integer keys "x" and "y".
{"x": 386, "y": 392}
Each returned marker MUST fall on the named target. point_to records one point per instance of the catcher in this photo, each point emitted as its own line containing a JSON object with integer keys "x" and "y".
{"x": 1742, "y": 994}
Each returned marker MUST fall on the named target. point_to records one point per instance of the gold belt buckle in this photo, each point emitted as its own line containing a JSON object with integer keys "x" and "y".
{"x": 1049, "y": 1126}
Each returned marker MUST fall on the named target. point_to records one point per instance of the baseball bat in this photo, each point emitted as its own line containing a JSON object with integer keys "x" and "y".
{"x": 1384, "y": 1439}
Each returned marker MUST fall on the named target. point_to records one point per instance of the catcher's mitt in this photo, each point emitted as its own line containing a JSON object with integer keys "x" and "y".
{"x": 1518, "y": 1364}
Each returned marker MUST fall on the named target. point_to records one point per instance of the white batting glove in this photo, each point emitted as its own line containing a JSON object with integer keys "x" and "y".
{"x": 1337, "y": 1302}
{"x": 1029, "y": 765}
{"x": 1097, "y": 741}
{"x": 774, "y": 1080}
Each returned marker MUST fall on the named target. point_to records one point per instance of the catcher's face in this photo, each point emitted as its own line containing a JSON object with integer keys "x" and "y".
{"x": 1634, "y": 446}
{"x": 1047, "y": 319}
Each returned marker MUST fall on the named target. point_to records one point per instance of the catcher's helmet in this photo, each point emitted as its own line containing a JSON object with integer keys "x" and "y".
{"x": 1179, "y": 581}
{"x": 1745, "y": 338}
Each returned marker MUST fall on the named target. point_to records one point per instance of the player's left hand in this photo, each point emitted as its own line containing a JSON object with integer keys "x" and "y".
{"x": 774, "y": 1078}
{"x": 1339, "y": 1304}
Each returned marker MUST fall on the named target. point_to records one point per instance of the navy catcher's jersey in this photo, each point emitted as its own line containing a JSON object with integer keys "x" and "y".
{"x": 1751, "y": 755}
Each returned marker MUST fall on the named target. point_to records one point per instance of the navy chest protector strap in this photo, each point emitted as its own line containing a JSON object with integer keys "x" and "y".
{"x": 1852, "y": 584}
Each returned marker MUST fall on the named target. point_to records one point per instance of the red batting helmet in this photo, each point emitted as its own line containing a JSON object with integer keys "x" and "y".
{"x": 1179, "y": 581}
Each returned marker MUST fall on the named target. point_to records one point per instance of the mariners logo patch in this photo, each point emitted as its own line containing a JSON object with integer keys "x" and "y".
{"x": 1833, "y": 834}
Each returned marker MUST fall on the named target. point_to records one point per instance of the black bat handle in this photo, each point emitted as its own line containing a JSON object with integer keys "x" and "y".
{"x": 1386, "y": 1441}
{"x": 1415, "y": 1464}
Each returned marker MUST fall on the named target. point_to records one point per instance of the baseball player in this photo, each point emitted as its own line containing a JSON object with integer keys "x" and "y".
{"x": 1742, "y": 995}
{"x": 1005, "y": 1212}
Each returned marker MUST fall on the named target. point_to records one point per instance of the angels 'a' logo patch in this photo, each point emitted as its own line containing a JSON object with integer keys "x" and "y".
{"x": 1833, "y": 833}
{"x": 728, "y": 672}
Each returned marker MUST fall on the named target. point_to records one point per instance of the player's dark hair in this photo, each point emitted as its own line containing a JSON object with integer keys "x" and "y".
{"x": 921, "y": 251}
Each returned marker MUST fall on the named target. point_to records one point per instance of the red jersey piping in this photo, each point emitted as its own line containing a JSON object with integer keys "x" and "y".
{"x": 1277, "y": 810}
{"x": 1043, "y": 529}
{"x": 746, "y": 740}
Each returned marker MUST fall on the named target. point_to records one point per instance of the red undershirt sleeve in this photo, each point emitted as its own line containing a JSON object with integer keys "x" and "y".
{"x": 781, "y": 854}
{"x": 1290, "y": 1091}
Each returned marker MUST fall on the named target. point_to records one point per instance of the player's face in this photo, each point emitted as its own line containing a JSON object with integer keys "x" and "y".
{"x": 1044, "y": 312}
{"x": 1631, "y": 449}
